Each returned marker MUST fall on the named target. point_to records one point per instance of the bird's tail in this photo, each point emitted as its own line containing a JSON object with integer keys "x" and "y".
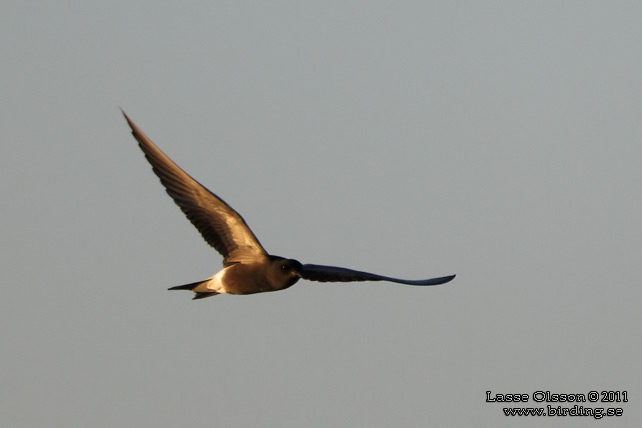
{"x": 192, "y": 286}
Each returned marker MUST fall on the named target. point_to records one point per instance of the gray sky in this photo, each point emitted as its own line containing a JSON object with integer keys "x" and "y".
{"x": 500, "y": 141}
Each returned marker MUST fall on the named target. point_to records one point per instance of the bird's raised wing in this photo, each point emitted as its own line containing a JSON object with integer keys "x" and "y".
{"x": 338, "y": 274}
{"x": 221, "y": 226}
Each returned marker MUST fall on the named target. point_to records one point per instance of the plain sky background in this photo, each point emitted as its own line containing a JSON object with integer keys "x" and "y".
{"x": 497, "y": 140}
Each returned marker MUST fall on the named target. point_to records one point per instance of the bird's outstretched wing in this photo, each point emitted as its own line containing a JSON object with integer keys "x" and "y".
{"x": 221, "y": 226}
{"x": 338, "y": 274}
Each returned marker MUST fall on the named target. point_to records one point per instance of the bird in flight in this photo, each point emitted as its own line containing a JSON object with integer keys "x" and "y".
{"x": 247, "y": 267}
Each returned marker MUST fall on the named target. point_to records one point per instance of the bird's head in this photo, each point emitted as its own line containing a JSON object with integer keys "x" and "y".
{"x": 283, "y": 272}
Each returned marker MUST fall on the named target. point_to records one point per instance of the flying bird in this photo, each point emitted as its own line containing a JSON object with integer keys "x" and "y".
{"x": 247, "y": 267}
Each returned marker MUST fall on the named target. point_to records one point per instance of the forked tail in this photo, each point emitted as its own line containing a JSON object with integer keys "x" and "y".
{"x": 192, "y": 286}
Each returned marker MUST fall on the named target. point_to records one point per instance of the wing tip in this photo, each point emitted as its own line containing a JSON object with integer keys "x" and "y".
{"x": 432, "y": 281}
{"x": 445, "y": 279}
{"x": 131, "y": 124}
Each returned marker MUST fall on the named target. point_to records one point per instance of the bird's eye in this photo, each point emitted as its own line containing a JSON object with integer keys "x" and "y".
{"x": 284, "y": 267}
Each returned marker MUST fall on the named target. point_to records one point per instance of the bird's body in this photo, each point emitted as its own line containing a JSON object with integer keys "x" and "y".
{"x": 247, "y": 267}
{"x": 246, "y": 278}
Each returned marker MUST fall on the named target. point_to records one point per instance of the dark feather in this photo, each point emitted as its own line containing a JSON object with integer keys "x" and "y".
{"x": 322, "y": 273}
{"x": 221, "y": 226}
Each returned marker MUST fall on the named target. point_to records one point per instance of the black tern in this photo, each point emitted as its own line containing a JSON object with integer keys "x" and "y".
{"x": 247, "y": 267}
